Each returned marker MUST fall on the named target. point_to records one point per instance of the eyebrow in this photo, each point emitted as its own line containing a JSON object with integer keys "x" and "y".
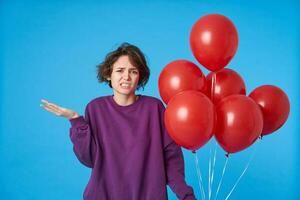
{"x": 134, "y": 68}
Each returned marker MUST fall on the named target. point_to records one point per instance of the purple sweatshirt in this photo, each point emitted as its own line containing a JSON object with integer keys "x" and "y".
{"x": 129, "y": 150}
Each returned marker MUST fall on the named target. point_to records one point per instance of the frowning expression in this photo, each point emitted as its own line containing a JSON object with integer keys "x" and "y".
{"x": 124, "y": 77}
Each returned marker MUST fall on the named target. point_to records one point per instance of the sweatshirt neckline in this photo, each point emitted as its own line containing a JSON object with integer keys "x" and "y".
{"x": 134, "y": 104}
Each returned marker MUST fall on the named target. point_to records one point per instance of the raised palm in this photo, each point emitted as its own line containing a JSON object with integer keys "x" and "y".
{"x": 58, "y": 110}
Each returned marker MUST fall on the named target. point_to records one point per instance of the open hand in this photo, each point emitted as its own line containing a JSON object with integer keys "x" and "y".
{"x": 58, "y": 110}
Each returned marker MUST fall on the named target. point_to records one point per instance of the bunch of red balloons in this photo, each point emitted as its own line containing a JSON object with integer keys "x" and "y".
{"x": 199, "y": 106}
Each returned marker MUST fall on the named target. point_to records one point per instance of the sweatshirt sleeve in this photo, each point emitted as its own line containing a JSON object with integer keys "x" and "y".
{"x": 84, "y": 144}
{"x": 175, "y": 172}
{"x": 174, "y": 164}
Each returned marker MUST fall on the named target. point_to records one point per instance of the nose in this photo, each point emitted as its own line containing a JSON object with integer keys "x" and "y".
{"x": 126, "y": 75}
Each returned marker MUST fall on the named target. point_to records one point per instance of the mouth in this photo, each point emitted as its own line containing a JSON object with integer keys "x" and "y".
{"x": 125, "y": 85}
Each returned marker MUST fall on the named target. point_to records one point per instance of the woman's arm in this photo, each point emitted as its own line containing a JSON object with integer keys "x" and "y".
{"x": 174, "y": 164}
{"x": 84, "y": 145}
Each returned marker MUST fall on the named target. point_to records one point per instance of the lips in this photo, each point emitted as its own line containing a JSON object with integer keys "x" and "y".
{"x": 125, "y": 85}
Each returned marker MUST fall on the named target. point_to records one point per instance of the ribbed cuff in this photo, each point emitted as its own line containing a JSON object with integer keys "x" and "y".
{"x": 185, "y": 192}
{"x": 190, "y": 197}
{"x": 77, "y": 121}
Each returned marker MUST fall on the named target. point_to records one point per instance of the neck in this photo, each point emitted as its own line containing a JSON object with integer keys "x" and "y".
{"x": 124, "y": 100}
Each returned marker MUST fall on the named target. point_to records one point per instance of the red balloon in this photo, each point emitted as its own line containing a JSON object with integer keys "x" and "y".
{"x": 190, "y": 119}
{"x": 225, "y": 83}
{"x": 239, "y": 123}
{"x": 274, "y": 104}
{"x": 178, "y": 76}
{"x": 214, "y": 41}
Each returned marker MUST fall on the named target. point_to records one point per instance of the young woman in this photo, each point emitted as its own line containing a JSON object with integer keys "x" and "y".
{"x": 122, "y": 137}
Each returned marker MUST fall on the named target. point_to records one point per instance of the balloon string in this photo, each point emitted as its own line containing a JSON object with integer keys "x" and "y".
{"x": 238, "y": 180}
{"x": 221, "y": 180}
{"x": 209, "y": 173}
{"x": 199, "y": 176}
{"x": 213, "y": 170}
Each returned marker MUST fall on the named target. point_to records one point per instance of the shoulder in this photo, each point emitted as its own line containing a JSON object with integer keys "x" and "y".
{"x": 96, "y": 101}
{"x": 153, "y": 101}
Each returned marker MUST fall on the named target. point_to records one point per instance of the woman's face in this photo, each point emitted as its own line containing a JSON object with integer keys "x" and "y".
{"x": 124, "y": 77}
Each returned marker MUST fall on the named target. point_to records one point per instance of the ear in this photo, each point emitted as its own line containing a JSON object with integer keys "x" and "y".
{"x": 108, "y": 78}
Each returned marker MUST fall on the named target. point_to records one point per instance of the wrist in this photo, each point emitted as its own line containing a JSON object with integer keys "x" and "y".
{"x": 75, "y": 115}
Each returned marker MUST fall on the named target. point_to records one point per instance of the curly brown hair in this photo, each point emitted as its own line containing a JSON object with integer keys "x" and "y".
{"x": 136, "y": 58}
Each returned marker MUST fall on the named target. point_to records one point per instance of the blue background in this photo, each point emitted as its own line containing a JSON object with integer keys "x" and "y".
{"x": 49, "y": 49}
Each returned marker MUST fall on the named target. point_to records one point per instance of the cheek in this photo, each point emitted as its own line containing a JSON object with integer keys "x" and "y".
{"x": 114, "y": 80}
{"x": 116, "y": 77}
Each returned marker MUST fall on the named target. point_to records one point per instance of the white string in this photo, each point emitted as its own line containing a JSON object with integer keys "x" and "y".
{"x": 221, "y": 180}
{"x": 199, "y": 176}
{"x": 238, "y": 180}
{"x": 209, "y": 174}
{"x": 213, "y": 170}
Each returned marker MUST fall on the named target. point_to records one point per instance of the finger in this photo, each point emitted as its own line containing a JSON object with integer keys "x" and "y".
{"x": 57, "y": 110}
{"x": 50, "y": 110}
{"x": 47, "y": 103}
{"x": 44, "y": 101}
{"x": 54, "y": 105}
